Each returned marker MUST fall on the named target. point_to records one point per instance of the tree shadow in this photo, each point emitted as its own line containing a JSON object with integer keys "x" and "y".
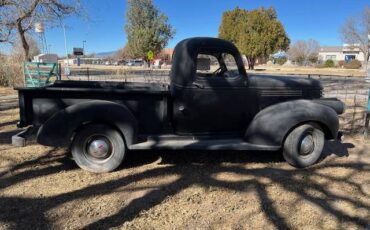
{"x": 192, "y": 168}
{"x": 3, "y": 124}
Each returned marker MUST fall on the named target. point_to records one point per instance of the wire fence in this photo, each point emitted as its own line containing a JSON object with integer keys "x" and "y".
{"x": 121, "y": 75}
{"x": 353, "y": 91}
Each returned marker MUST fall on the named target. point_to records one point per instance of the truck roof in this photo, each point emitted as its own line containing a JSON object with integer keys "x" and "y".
{"x": 185, "y": 56}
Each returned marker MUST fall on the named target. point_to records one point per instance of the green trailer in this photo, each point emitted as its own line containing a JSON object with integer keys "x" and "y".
{"x": 367, "y": 119}
{"x": 40, "y": 74}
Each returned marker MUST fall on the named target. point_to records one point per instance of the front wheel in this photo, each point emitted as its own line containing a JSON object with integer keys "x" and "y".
{"x": 98, "y": 148}
{"x": 304, "y": 145}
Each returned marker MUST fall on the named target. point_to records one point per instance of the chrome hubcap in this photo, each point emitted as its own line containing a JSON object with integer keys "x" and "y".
{"x": 99, "y": 148}
{"x": 307, "y": 145}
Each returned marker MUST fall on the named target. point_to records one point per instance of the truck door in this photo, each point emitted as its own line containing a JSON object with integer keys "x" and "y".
{"x": 218, "y": 100}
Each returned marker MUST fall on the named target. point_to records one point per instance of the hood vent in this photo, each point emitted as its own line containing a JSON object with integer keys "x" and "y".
{"x": 281, "y": 93}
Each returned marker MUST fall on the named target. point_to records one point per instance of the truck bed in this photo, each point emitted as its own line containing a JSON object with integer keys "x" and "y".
{"x": 147, "y": 101}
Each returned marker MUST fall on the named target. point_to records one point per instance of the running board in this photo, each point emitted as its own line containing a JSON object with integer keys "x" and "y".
{"x": 201, "y": 144}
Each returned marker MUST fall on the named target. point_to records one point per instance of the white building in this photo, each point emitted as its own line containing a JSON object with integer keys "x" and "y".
{"x": 46, "y": 58}
{"x": 341, "y": 53}
{"x": 84, "y": 60}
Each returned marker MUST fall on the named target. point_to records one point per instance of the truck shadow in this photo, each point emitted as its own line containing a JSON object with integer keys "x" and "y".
{"x": 184, "y": 157}
{"x": 336, "y": 148}
{"x": 6, "y": 137}
{"x": 191, "y": 168}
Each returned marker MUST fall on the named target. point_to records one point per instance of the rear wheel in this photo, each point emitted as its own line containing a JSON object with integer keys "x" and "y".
{"x": 304, "y": 145}
{"x": 98, "y": 148}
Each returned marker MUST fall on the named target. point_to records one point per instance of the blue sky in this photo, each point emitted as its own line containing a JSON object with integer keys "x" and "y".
{"x": 316, "y": 19}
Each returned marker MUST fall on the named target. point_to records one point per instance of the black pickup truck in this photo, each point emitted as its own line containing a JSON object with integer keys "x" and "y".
{"x": 211, "y": 103}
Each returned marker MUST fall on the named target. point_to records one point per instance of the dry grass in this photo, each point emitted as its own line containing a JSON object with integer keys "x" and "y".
{"x": 41, "y": 187}
{"x": 275, "y": 69}
{"x": 11, "y": 70}
{"x": 7, "y": 91}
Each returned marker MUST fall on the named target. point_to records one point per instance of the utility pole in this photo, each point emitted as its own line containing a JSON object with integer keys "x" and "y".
{"x": 368, "y": 67}
{"x": 65, "y": 40}
{"x": 83, "y": 46}
{"x": 66, "y": 69}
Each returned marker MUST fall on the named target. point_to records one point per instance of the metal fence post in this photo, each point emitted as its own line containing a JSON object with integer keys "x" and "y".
{"x": 366, "y": 133}
{"x": 59, "y": 74}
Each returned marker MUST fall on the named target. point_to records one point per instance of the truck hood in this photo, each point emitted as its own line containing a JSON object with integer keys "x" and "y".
{"x": 269, "y": 81}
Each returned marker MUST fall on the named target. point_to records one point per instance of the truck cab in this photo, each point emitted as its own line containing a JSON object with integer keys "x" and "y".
{"x": 209, "y": 100}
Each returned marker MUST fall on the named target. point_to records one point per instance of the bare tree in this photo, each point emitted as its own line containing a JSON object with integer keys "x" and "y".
{"x": 19, "y": 16}
{"x": 120, "y": 54}
{"x": 34, "y": 47}
{"x": 5, "y": 32}
{"x": 304, "y": 52}
{"x": 355, "y": 31}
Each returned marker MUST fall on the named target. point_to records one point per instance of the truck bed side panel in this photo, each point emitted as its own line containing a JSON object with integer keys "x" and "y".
{"x": 149, "y": 108}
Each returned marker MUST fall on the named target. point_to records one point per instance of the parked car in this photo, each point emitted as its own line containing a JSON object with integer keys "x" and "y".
{"x": 135, "y": 63}
{"x": 121, "y": 62}
{"x": 205, "y": 108}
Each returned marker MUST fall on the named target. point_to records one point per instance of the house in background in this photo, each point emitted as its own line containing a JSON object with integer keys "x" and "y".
{"x": 341, "y": 53}
{"x": 166, "y": 55}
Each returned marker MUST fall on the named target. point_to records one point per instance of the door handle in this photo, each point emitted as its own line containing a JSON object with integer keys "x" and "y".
{"x": 200, "y": 86}
{"x": 181, "y": 108}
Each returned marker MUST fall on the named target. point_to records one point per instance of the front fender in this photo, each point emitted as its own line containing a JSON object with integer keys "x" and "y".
{"x": 271, "y": 125}
{"x": 59, "y": 129}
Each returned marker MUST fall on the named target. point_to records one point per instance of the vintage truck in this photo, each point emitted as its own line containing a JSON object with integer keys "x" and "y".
{"x": 211, "y": 103}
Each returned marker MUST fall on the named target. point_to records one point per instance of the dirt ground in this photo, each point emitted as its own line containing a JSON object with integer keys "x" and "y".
{"x": 41, "y": 187}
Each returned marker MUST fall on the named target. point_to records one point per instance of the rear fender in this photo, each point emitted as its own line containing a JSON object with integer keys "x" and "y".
{"x": 271, "y": 125}
{"x": 59, "y": 129}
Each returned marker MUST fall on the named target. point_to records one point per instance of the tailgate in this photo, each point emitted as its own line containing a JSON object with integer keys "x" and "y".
{"x": 25, "y": 109}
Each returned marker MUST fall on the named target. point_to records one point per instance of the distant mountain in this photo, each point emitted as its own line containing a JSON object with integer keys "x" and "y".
{"x": 105, "y": 54}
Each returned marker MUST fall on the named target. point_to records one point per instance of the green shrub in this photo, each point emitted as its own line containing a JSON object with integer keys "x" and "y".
{"x": 353, "y": 64}
{"x": 300, "y": 60}
{"x": 281, "y": 60}
{"x": 329, "y": 63}
{"x": 313, "y": 59}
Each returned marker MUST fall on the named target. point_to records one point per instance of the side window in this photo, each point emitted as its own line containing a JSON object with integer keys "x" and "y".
{"x": 230, "y": 62}
{"x": 331, "y": 57}
{"x": 216, "y": 65}
{"x": 206, "y": 65}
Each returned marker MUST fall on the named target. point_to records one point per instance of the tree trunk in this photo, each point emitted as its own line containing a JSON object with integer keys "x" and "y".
{"x": 22, "y": 35}
{"x": 146, "y": 62}
{"x": 251, "y": 62}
